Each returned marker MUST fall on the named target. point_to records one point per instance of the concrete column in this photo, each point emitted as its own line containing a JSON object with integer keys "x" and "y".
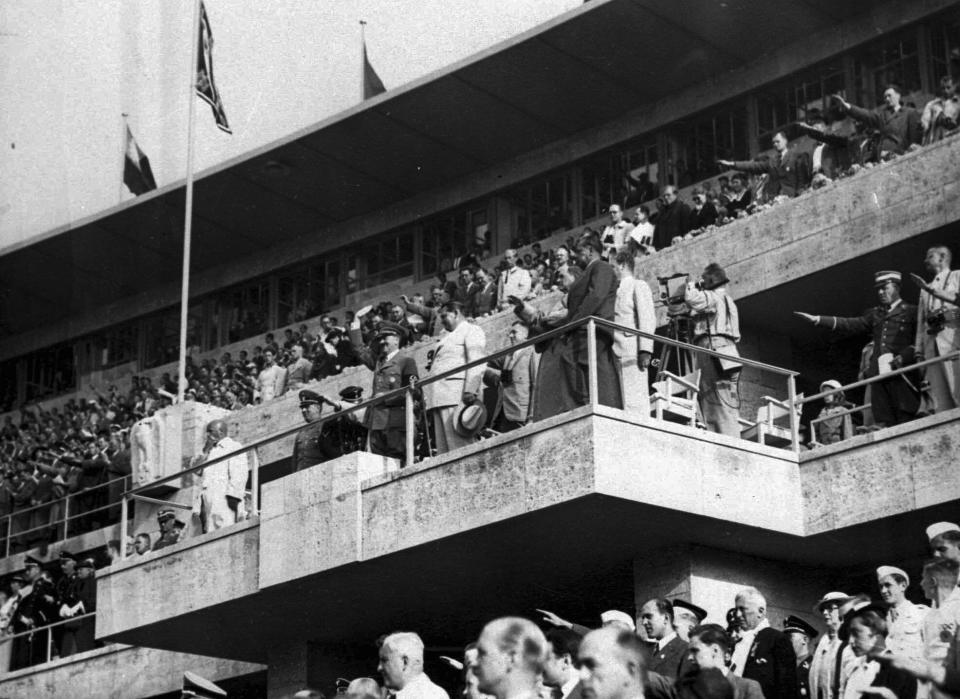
{"x": 300, "y": 664}
{"x": 711, "y": 578}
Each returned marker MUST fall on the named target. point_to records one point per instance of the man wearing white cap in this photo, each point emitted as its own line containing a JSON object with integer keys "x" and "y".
{"x": 944, "y": 540}
{"x": 893, "y": 325}
{"x": 824, "y": 661}
{"x": 904, "y": 618}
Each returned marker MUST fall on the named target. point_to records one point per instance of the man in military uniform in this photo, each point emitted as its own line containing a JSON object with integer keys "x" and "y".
{"x": 166, "y": 518}
{"x": 322, "y": 441}
{"x": 801, "y": 635}
{"x": 893, "y": 325}
{"x": 64, "y": 591}
{"x": 386, "y": 421}
{"x": 36, "y": 609}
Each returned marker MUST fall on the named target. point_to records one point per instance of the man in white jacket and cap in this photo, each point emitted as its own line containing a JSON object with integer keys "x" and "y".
{"x": 223, "y": 484}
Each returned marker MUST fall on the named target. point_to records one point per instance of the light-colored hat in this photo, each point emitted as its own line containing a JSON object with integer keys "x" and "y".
{"x": 615, "y": 615}
{"x": 831, "y": 384}
{"x": 882, "y": 277}
{"x": 838, "y": 598}
{"x": 884, "y": 571}
{"x": 468, "y": 420}
{"x": 935, "y": 530}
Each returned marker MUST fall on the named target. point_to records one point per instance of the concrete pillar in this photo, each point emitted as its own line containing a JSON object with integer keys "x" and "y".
{"x": 711, "y": 578}
{"x": 299, "y": 664}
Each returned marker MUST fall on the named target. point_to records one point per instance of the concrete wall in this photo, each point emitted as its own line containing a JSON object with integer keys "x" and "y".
{"x": 117, "y": 672}
{"x": 898, "y": 469}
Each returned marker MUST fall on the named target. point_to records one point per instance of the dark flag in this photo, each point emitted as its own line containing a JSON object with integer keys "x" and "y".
{"x": 372, "y": 84}
{"x": 137, "y": 174}
{"x": 206, "y": 87}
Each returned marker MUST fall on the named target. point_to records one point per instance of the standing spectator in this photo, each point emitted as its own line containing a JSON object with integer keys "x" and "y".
{"x": 710, "y": 650}
{"x": 560, "y": 671}
{"x": 904, "y": 618}
{"x": 868, "y": 632}
{"x": 668, "y": 652}
{"x": 485, "y": 299}
{"x": 674, "y": 219}
{"x": 941, "y": 115}
{"x": 939, "y": 582}
{"x": 300, "y": 368}
{"x": 513, "y": 281}
{"x": 386, "y": 421}
{"x": 642, "y": 231}
{"x": 401, "y": 666}
{"x": 224, "y": 483}
{"x": 510, "y": 656}
{"x": 896, "y": 126}
{"x": 78, "y": 635}
{"x": 763, "y": 653}
{"x": 788, "y": 169}
{"x": 831, "y": 155}
{"x": 307, "y": 446}
{"x": 686, "y": 617}
{"x": 430, "y": 314}
{"x": 938, "y": 327}
{"x": 612, "y": 665}
{"x": 944, "y": 540}
{"x": 516, "y": 375}
{"x": 614, "y": 236}
{"x": 827, "y": 655}
{"x": 561, "y": 261}
{"x": 801, "y": 635}
{"x": 463, "y": 343}
{"x": 272, "y": 381}
{"x": 893, "y": 326}
{"x": 633, "y": 309}
{"x": 716, "y": 326}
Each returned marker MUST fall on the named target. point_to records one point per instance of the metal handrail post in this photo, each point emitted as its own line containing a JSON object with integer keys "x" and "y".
{"x": 592, "y": 382}
{"x": 123, "y": 526}
{"x": 409, "y": 425}
{"x": 794, "y": 418}
{"x": 9, "y": 535}
{"x": 66, "y": 517}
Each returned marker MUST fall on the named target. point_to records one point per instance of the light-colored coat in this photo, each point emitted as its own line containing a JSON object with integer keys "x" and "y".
{"x": 452, "y": 351}
{"x": 944, "y": 385}
{"x": 222, "y": 479}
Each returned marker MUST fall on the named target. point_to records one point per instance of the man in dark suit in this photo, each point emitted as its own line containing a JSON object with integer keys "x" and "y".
{"x": 896, "y": 126}
{"x": 560, "y": 670}
{"x": 594, "y": 293}
{"x": 763, "y": 653}
{"x": 674, "y": 219}
{"x": 788, "y": 169}
{"x": 710, "y": 650}
{"x": 801, "y": 635}
{"x": 386, "y": 421}
{"x": 668, "y": 652}
{"x": 893, "y": 326}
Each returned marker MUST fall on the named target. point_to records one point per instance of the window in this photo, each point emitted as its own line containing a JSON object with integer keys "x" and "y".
{"x": 50, "y": 372}
{"x": 893, "y": 59}
{"x": 794, "y": 99}
{"x": 245, "y": 310}
{"x": 389, "y": 258}
{"x": 444, "y": 240}
{"x": 697, "y": 145}
{"x": 944, "y": 48}
{"x": 114, "y": 346}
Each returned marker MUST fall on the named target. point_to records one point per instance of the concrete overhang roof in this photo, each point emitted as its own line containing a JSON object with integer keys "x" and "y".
{"x": 561, "y": 78}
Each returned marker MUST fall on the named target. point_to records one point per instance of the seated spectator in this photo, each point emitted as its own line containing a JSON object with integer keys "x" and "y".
{"x": 300, "y": 368}
{"x": 941, "y": 115}
{"x": 788, "y": 170}
{"x": 894, "y": 126}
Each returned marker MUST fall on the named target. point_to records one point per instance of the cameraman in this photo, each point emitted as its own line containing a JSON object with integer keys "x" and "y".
{"x": 716, "y": 326}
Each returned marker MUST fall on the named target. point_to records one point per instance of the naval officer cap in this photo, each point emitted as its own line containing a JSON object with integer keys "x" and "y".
{"x": 165, "y": 513}
{"x": 31, "y": 561}
{"x": 310, "y": 398}
{"x": 87, "y": 563}
{"x": 681, "y": 606}
{"x": 884, "y": 571}
{"x": 794, "y": 624}
{"x": 390, "y": 328}
{"x": 940, "y": 528}
{"x": 351, "y": 393}
{"x": 615, "y": 616}
{"x": 67, "y": 556}
{"x": 883, "y": 276}
{"x": 196, "y": 686}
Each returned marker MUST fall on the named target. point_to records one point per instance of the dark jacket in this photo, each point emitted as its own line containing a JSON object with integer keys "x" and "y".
{"x": 789, "y": 174}
{"x": 672, "y": 221}
{"x": 892, "y": 331}
{"x": 773, "y": 664}
{"x": 896, "y": 131}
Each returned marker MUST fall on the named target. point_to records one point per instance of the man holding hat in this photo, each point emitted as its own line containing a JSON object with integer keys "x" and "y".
{"x": 386, "y": 421}
{"x": 166, "y": 519}
{"x": 944, "y": 540}
{"x": 463, "y": 343}
{"x": 801, "y": 635}
{"x": 904, "y": 618}
{"x": 893, "y": 326}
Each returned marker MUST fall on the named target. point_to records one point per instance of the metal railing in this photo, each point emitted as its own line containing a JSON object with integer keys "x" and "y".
{"x": 42, "y": 634}
{"x": 410, "y": 395}
{"x": 59, "y": 514}
{"x": 909, "y": 369}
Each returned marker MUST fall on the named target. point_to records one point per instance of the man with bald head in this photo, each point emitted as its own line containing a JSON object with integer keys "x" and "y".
{"x": 511, "y": 653}
{"x": 763, "y": 654}
{"x": 401, "y": 666}
{"x": 224, "y": 483}
{"x": 611, "y": 664}
{"x": 674, "y": 219}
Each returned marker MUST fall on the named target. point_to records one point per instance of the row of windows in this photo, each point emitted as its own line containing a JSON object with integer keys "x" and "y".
{"x": 681, "y": 154}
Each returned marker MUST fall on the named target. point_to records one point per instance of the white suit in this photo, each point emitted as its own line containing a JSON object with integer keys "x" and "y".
{"x": 634, "y": 309}
{"x": 222, "y": 479}
{"x": 944, "y": 386}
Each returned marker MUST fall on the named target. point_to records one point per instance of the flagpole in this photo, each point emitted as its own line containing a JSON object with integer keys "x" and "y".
{"x": 363, "y": 46}
{"x": 123, "y": 152}
{"x": 188, "y": 209}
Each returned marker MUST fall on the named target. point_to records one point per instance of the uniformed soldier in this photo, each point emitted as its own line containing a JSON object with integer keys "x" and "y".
{"x": 36, "y": 610}
{"x": 322, "y": 441}
{"x": 686, "y": 617}
{"x": 893, "y": 325}
{"x": 386, "y": 421}
{"x": 307, "y": 447}
{"x": 801, "y": 635}
{"x": 345, "y": 434}
{"x": 166, "y": 518}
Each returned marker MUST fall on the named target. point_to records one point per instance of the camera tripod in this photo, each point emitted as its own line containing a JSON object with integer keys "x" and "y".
{"x": 676, "y": 360}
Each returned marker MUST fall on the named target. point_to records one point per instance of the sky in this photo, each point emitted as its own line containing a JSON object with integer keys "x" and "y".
{"x": 73, "y": 67}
